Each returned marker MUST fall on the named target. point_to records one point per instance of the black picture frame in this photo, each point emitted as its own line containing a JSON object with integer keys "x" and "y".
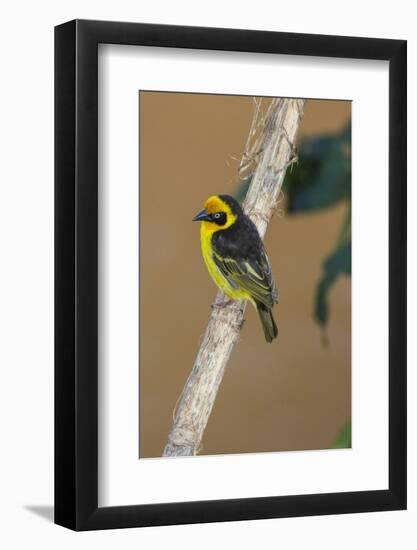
{"x": 76, "y": 272}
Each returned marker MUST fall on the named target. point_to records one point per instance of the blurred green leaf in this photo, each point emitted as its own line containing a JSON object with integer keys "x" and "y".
{"x": 344, "y": 437}
{"x": 345, "y": 234}
{"x": 338, "y": 263}
{"x": 322, "y": 176}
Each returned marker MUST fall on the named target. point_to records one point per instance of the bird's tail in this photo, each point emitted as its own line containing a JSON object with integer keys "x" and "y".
{"x": 268, "y": 323}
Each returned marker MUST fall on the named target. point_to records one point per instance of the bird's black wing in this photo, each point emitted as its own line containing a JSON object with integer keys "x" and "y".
{"x": 244, "y": 263}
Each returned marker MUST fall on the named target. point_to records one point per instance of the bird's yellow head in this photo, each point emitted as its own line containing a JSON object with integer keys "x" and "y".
{"x": 220, "y": 212}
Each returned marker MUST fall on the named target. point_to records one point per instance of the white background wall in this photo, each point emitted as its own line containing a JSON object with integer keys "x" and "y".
{"x": 26, "y": 274}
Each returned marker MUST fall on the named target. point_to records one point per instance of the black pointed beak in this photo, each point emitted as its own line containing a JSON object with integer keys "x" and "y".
{"x": 202, "y": 216}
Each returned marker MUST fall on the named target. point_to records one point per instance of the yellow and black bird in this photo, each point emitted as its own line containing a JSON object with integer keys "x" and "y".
{"x": 236, "y": 259}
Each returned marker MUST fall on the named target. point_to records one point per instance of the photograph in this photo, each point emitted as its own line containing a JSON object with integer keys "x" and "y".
{"x": 267, "y": 321}
{"x": 209, "y": 259}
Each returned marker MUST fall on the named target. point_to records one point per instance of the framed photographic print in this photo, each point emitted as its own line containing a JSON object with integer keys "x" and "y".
{"x": 230, "y": 252}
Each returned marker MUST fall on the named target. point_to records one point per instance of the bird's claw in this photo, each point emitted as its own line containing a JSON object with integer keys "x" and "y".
{"x": 221, "y": 304}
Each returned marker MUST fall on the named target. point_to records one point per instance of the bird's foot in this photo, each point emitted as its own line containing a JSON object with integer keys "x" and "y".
{"x": 221, "y": 303}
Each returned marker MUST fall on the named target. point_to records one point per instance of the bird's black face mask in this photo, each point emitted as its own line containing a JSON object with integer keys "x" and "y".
{"x": 220, "y": 218}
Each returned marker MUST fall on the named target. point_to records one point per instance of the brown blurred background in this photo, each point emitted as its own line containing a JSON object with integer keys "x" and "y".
{"x": 292, "y": 394}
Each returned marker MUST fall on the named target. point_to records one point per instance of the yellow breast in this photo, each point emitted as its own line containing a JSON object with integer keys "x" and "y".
{"x": 207, "y": 232}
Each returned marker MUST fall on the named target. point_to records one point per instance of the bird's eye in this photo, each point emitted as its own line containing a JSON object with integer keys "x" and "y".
{"x": 217, "y": 215}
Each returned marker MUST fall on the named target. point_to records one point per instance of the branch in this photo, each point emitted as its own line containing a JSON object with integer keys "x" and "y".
{"x": 275, "y": 152}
